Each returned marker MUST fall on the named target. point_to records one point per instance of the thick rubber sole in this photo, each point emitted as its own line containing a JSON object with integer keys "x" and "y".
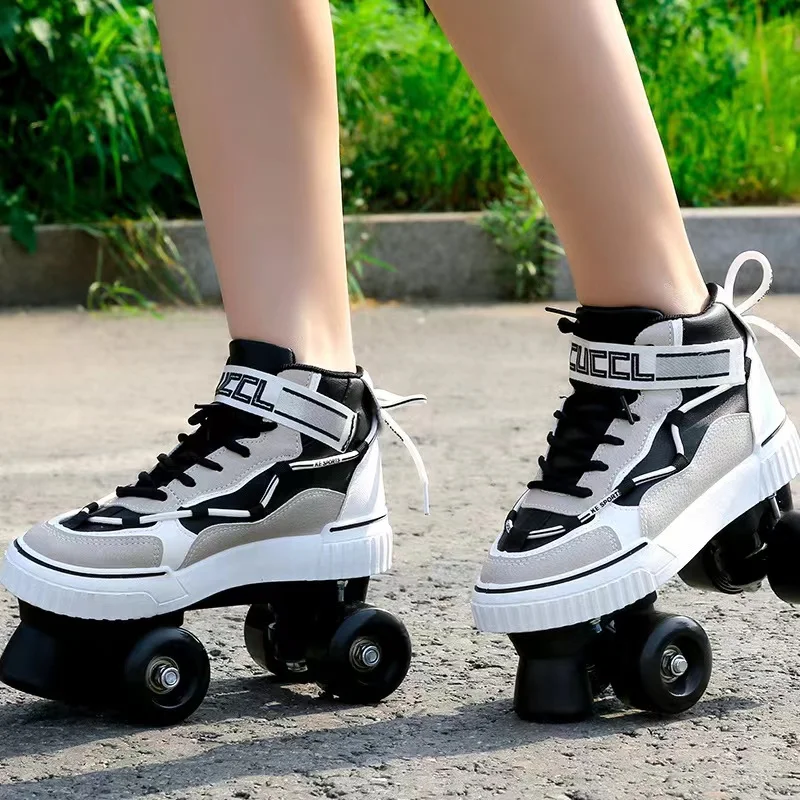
{"x": 625, "y": 578}
{"x": 358, "y": 550}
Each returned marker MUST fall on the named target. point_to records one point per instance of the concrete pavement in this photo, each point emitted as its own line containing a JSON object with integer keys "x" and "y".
{"x": 86, "y": 402}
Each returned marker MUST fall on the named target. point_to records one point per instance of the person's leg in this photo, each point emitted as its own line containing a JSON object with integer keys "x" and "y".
{"x": 254, "y": 86}
{"x": 281, "y": 480}
{"x": 561, "y": 80}
{"x": 672, "y": 430}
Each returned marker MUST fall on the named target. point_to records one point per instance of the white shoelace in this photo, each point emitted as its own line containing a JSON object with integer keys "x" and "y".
{"x": 740, "y": 309}
{"x": 387, "y": 400}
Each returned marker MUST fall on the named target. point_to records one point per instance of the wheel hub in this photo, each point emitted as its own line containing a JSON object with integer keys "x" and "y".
{"x": 163, "y": 675}
{"x": 365, "y": 654}
{"x": 673, "y": 664}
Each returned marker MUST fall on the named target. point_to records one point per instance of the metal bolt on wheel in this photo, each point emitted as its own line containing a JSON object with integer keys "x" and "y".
{"x": 366, "y": 657}
{"x": 165, "y": 677}
{"x": 662, "y": 662}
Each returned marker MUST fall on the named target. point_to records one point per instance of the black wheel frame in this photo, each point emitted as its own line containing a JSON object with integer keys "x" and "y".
{"x": 335, "y": 661}
{"x": 259, "y": 638}
{"x": 642, "y": 643}
{"x": 144, "y": 702}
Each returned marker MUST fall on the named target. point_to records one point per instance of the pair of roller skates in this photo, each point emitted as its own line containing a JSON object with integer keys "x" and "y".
{"x": 672, "y": 455}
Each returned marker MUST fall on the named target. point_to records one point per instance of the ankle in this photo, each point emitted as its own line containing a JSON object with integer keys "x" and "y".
{"x": 341, "y": 359}
{"x": 686, "y": 295}
{"x": 334, "y": 353}
{"x": 684, "y": 300}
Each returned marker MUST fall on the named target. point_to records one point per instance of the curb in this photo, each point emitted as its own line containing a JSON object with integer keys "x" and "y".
{"x": 436, "y": 257}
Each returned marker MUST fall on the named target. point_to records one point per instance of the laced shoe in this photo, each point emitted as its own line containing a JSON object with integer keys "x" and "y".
{"x": 280, "y": 481}
{"x": 671, "y": 432}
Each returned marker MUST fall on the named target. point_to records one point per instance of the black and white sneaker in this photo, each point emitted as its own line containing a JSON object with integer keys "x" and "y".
{"x": 672, "y": 431}
{"x": 281, "y": 481}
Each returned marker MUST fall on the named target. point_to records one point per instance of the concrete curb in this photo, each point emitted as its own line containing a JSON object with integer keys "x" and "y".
{"x": 439, "y": 257}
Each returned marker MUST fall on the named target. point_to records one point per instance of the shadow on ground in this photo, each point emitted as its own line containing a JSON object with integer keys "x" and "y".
{"x": 38, "y": 727}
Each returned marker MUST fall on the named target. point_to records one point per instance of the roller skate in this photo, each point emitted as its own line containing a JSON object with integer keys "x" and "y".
{"x": 275, "y": 501}
{"x": 672, "y": 455}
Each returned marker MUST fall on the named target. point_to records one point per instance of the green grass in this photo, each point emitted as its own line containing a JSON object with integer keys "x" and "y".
{"x": 415, "y": 133}
{"x": 724, "y": 84}
{"x": 86, "y": 122}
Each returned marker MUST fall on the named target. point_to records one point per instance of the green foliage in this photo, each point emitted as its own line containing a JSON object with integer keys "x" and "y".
{"x": 520, "y": 227}
{"x": 87, "y": 129}
{"x": 116, "y": 297}
{"x": 414, "y": 130}
{"x": 724, "y": 82}
{"x": 86, "y": 117}
{"x": 144, "y": 264}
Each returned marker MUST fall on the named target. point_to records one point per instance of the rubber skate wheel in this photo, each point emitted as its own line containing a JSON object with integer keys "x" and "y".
{"x": 259, "y": 640}
{"x": 165, "y": 677}
{"x": 366, "y": 658}
{"x": 663, "y": 662}
{"x": 783, "y": 551}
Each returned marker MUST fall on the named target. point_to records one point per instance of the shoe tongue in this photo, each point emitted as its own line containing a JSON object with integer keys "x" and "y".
{"x": 596, "y": 324}
{"x": 615, "y": 325}
{"x": 262, "y": 356}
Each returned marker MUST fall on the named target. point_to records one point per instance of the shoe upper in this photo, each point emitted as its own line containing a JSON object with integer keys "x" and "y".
{"x": 661, "y": 408}
{"x": 285, "y": 449}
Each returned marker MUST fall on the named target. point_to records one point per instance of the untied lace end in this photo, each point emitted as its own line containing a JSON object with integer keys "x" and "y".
{"x": 387, "y": 400}
{"x": 740, "y": 309}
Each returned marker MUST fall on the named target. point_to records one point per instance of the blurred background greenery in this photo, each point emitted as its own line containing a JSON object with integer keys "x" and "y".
{"x": 87, "y": 129}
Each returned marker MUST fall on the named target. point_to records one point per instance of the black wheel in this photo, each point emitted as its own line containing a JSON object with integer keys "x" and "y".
{"x": 662, "y": 662}
{"x": 165, "y": 677}
{"x": 366, "y": 657}
{"x": 783, "y": 552}
{"x": 259, "y": 638}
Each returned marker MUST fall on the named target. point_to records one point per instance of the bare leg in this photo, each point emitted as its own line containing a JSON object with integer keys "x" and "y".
{"x": 561, "y": 80}
{"x": 255, "y": 90}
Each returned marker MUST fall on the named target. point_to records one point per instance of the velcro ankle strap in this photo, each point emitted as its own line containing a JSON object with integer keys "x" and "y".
{"x": 289, "y": 404}
{"x": 639, "y": 367}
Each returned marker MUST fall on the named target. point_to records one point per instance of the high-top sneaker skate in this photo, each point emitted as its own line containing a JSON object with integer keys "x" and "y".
{"x": 673, "y": 452}
{"x": 276, "y": 500}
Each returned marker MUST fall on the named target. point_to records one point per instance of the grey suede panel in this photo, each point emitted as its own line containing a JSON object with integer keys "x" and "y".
{"x": 727, "y": 442}
{"x": 583, "y": 550}
{"x": 306, "y": 513}
{"x": 662, "y": 333}
{"x": 97, "y": 551}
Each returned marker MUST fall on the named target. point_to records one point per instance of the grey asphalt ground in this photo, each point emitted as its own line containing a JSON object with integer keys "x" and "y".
{"x": 87, "y": 402}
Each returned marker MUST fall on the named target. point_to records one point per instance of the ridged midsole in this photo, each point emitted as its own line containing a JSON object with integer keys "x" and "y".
{"x": 601, "y": 590}
{"x": 329, "y": 555}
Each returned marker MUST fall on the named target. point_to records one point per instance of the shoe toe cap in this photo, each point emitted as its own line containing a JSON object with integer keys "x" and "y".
{"x": 552, "y": 561}
{"x": 93, "y": 550}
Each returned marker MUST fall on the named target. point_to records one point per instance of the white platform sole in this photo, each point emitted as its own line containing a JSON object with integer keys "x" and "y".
{"x": 329, "y": 555}
{"x": 625, "y": 578}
